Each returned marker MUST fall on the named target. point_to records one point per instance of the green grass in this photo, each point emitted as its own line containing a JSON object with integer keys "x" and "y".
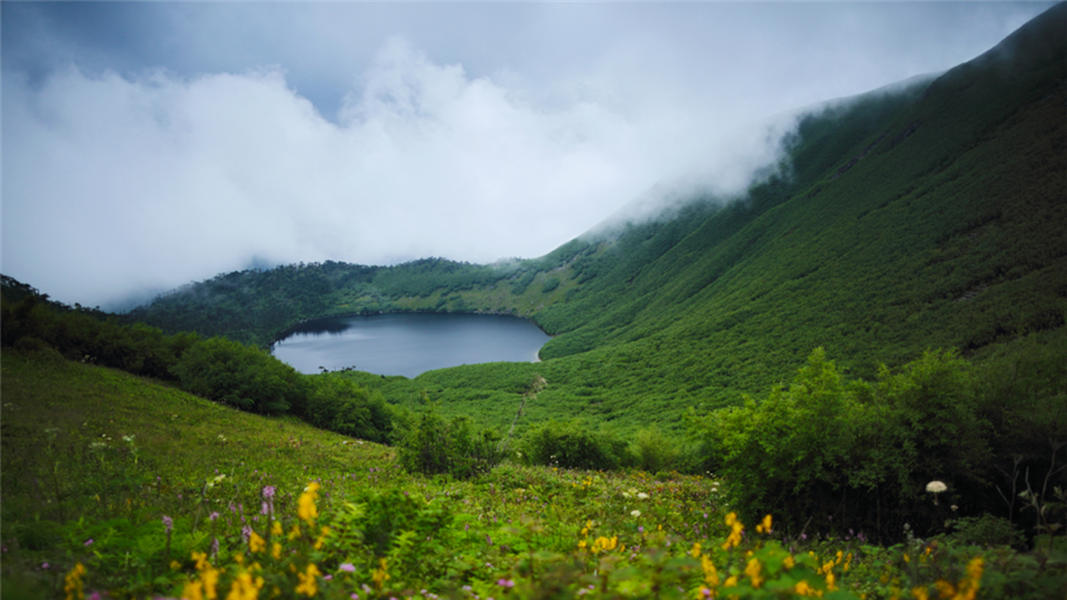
{"x": 77, "y": 493}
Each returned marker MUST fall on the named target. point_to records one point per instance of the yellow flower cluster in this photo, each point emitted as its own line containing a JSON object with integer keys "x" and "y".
{"x": 204, "y": 587}
{"x": 765, "y": 526}
{"x": 245, "y": 586}
{"x": 602, "y": 543}
{"x": 966, "y": 589}
{"x": 308, "y": 584}
{"x": 380, "y": 575}
{"x": 73, "y": 585}
{"x": 734, "y": 539}
{"x": 256, "y": 543}
{"x": 752, "y": 569}
{"x": 306, "y": 508}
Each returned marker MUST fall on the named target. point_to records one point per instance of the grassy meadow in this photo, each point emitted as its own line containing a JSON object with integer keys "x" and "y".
{"x": 118, "y": 486}
{"x": 850, "y": 382}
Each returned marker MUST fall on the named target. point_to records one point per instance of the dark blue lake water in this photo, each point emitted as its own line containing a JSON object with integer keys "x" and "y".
{"x": 409, "y": 343}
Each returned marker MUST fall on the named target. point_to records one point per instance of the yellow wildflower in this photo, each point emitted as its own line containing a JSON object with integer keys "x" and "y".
{"x": 308, "y": 585}
{"x": 711, "y": 576}
{"x": 919, "y": 593}
{"x": 294, "y": 533}
{"x": 380, "y": 576}
{"x": 765, "y": 526}
{"x": 192, "y": 591}
{"x": 830, "y": 582}
{"x": 256, "y": 543}
{"x": 789, "y": 563}
{"x": 322, "y": 538}
{"x": 803, "y": 589}
{"x": 731, "y": 581}
{"x": 73, "y": 585}
{"x": 276, "y": 551}
{"x": 276, "y": 529}
{"x": 734, "y": 539}
{"x": 753, "y": 572}
{"x": 244, "y": 587}
{"x": 695, "y": 551}
{"x": 306, "y": 509}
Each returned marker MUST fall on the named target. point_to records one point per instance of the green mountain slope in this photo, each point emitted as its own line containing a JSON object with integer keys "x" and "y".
{"x": 928, "y": 216}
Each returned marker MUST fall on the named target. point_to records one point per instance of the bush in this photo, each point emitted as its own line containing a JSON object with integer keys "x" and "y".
{"x": 243, "y": 377}
{"x": 337, "y": 404}
{"x": 433, "y": 446}
{"x": 654, "y": 452}
{"x": 574, "y": 445}
{"x": 840, "y": 454}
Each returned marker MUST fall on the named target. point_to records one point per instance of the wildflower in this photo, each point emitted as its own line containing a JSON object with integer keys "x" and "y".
{"x": 380, "y": 576}
{"x": 255, "y": 543}
{"x": 919, "y": 593}
{"x": 89, "y": 542}
{"x": 935, "y": 488}
{"x": 752, "y": 569}
{"x": 73, "y": 584}
{"x": 306, "y": 509}
{"x": 711, "y": 576}
{"x": 348, "y": 567}
{"x": 803, "y": 589}
{"x": 322, "y": 538}
{"x": 765, "y": 526}
{"x": 276, "y": 551}
{"x": 642, "y": 496}
{"x": 736, "y": 528}
{"x": 168, "y": 524}
{"x": 214, "y": 515}
{"x": 308, "y": 586}
{"x": 244, "y": 587}
{"x": 635, "y": 513}
{"x": 506, "y": 583}
{"x": 789, "y": 563}
{"x": 695, "y": 552}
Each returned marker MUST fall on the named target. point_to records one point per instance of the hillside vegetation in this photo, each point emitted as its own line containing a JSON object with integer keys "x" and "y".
{"x": 850, "y": 382}
{"x": 121, "y": 487}
{"x": 906, "y": 219}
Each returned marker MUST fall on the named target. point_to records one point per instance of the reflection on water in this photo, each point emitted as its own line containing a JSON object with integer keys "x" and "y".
{"x": 409, "y": 343}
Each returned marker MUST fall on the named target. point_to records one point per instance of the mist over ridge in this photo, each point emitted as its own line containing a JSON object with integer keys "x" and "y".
{"x": 140, "y": 162}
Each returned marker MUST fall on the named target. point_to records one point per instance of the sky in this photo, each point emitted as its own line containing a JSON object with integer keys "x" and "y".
{"x": 146, "y": 145}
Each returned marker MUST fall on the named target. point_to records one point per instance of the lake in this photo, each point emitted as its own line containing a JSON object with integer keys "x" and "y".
{"x": 409, "y": 343}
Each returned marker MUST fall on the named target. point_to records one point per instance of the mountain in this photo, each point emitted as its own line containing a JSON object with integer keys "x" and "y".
{"x": 928, "y": 215}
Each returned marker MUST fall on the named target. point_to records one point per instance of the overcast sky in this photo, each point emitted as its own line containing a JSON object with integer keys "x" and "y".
{"x": 146, "y": 145}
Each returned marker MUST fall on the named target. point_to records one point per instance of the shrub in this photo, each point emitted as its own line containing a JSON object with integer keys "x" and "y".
{"x": 841, "y": 454}
{"x": 574, "y": 445}
{"x": 654, "y": 452}
{"x": 337, "y": 404}
{"x": 433, "y": 446}
{"x": 241, "y": 376}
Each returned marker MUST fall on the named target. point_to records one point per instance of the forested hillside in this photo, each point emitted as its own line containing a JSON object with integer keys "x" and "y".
{"x": 905, "y": 219}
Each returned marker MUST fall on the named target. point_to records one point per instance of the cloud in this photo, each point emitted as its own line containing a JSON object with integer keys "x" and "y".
{"x": 158, "y": 180}
{"x": 142, "y": 161}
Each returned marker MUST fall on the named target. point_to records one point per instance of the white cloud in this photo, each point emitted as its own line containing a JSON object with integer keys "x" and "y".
{"x": 162, "y": 179}
{"x": 531, "y": 124}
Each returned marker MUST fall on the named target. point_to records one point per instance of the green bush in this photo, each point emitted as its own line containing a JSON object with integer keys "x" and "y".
{"x": 653, "y": 452}
{"x": 836, "y": 454}
{"x": 337, "y": 404}
{"x": 574, "y": 445}
{"x": 433, "y": 446}
{"x": 241, "y": 376}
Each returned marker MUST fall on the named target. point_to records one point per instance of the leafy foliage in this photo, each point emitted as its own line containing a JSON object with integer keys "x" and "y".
{"x": 434, "y": 446}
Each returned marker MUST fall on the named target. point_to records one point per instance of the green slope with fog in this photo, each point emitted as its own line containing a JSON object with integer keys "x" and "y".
{"x": 927, "y": 216}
